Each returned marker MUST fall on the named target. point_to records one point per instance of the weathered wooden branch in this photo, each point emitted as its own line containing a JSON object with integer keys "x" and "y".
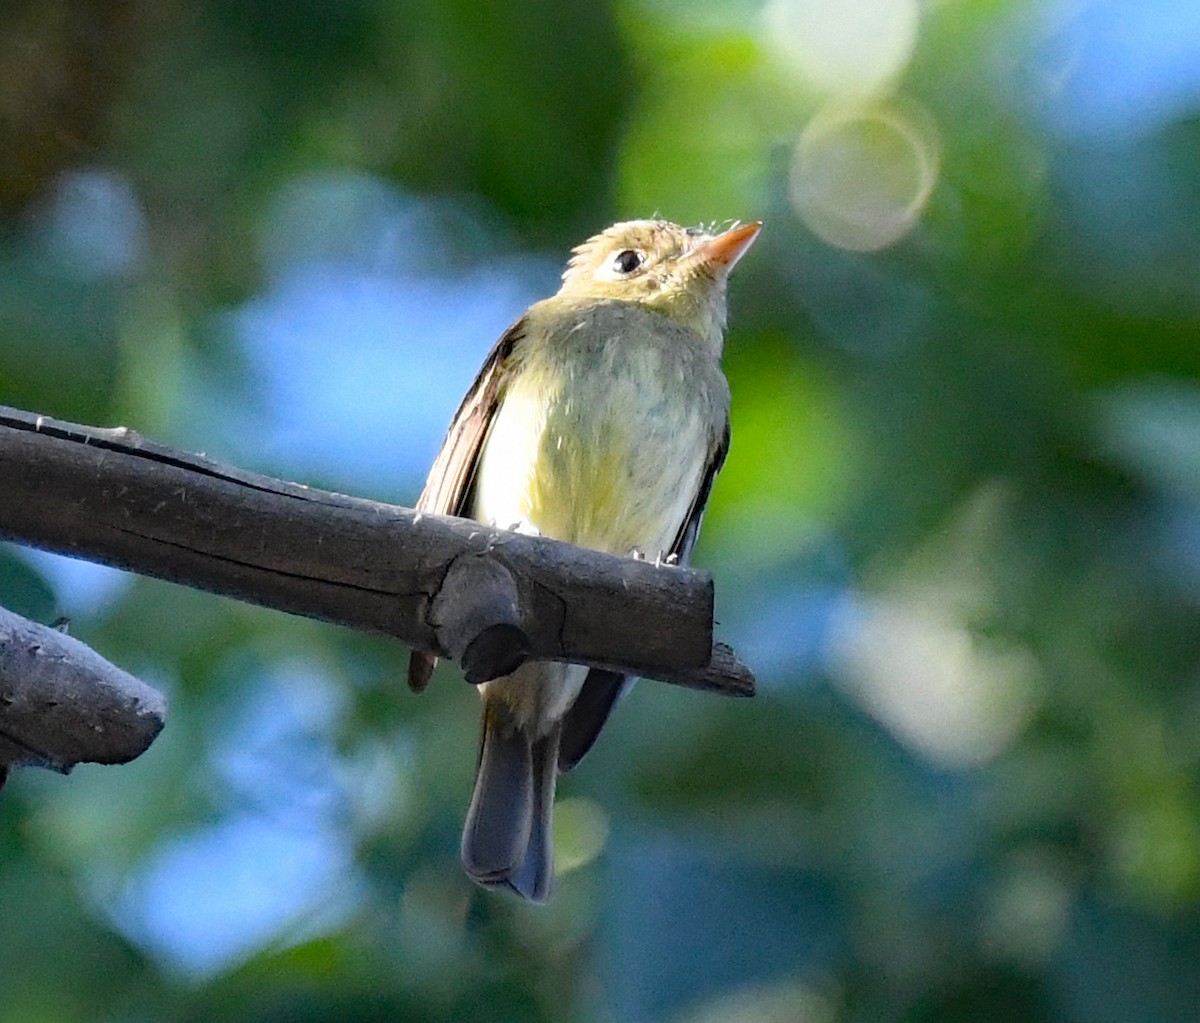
{"x": 62, "y": 704}
{"x": 449, "y": 586}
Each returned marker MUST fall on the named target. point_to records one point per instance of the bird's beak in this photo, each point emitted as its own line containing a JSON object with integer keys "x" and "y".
{"x": 723, "y": 251}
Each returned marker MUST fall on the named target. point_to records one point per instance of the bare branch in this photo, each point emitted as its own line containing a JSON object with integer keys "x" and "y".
{"x": 114, "y": 497}
{"x": 62, "y": 704}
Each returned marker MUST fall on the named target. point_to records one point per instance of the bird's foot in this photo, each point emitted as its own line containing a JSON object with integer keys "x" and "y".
{"x": 521, "y": 526}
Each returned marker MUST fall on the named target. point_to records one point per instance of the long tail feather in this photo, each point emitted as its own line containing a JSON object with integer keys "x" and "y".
{"x": 507, "y": 837}
{"x": 532, "y": 879}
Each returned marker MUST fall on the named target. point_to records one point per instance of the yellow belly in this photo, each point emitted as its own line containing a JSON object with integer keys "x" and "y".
{"x": 614, "y": 473}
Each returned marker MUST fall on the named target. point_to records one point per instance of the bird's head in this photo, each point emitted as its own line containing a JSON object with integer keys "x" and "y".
{"x": 676, "y": 271}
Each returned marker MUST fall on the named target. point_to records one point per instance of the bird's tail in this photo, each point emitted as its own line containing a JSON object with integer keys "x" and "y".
{"x": 507, "y": 838}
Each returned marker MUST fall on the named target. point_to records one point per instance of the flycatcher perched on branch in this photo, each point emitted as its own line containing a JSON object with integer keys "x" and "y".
{"x": 600, "y": 418}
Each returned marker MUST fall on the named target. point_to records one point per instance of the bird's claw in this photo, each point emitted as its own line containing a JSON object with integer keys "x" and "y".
{"x": 522, "y": 527}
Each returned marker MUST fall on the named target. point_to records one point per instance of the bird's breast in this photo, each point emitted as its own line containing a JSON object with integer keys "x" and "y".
{"x": 603, "y": 446}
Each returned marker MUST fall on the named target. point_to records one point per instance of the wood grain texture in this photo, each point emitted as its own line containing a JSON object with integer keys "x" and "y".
{"x": 113, "y": 497}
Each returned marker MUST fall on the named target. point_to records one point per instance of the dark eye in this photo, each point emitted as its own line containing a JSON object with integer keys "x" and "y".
{"x": 626, "y": 261}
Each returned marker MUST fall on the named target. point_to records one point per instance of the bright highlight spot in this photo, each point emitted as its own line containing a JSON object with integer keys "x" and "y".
{"x": 862, "y": 175}
{"x": 580, "y": 833}
{"x": 925, "y": 677}
{"x": 853, "y": 48}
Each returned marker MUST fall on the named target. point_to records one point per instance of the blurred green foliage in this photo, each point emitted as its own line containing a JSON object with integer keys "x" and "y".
{"x": 958, "y": 535}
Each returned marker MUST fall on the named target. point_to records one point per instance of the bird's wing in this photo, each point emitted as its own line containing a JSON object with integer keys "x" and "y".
{"x": 601, "y": 689}
{"x": 452, "y": 478}
{"x": 690, "y": 529}
{"x": 448, "y": 487}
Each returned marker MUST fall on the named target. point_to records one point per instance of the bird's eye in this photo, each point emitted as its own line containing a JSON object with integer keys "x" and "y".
{"x": 626, "y": 261}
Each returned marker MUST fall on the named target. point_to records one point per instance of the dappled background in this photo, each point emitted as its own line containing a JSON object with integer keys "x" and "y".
{"x": 958, "y": 536}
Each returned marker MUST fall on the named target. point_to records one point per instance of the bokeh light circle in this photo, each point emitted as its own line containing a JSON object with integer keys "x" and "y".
{"x": 862, "y": 175}
{"x": 845, "y": 48}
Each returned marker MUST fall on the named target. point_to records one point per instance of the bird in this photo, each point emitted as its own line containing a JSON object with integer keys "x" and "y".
{"x": 601, "y": 418}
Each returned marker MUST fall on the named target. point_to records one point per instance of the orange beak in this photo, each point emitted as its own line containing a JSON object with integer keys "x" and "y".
{"x": 726, "y": 249}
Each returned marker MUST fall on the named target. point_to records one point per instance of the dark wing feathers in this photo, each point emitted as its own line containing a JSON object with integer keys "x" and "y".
{"x": 601, "y": 689}
{"x": 586, "y": 717}
{"x": 690, "y": 529}
{"x": 448, "y": 488}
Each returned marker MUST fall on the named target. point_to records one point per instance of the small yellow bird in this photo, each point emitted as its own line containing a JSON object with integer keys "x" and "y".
{"x": 601, "y": 417}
